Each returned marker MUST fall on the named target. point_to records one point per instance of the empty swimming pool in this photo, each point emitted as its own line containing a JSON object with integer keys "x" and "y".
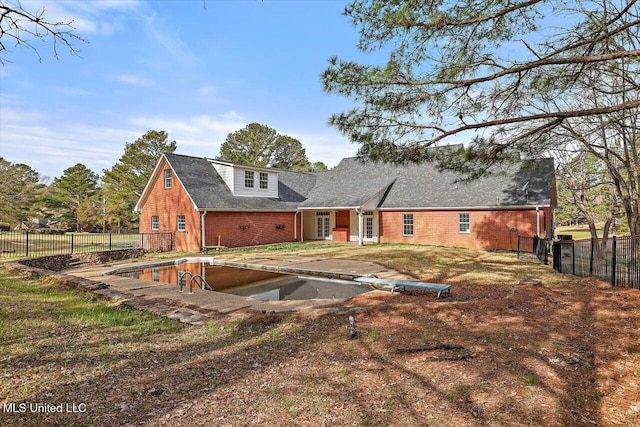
{"x": 257, "y": 284}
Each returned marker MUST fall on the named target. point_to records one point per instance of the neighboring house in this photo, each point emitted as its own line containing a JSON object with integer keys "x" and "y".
{"x": 209, "y": 203}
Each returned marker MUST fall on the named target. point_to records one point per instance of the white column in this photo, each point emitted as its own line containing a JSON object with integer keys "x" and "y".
{"x": 202, "y": 230}
{"x": 360, "y": 227}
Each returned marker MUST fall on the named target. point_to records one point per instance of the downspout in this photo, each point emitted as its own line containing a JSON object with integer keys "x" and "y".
{"x": 295, "y": 226}
{"x": 538, "y": 221}
{"x": 301, "y": 226}
{"x": 204, "y": 243}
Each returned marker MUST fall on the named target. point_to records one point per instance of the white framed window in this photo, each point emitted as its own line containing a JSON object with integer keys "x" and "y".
{"x": 168, "y": 178}
{"x": 182, "y": 223}
{"x": 464, "y": 223}
{"x": 407, "y": 224}
{"x": 155, "y": 222}
{"x": 248, "y": 179}
{"x": 264, "y": 180}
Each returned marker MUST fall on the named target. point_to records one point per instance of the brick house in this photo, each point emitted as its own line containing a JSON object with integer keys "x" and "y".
{"x": 209, "y": 203}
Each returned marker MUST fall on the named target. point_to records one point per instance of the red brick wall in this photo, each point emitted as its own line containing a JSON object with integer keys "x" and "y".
{"x": 249, "y": 228}
{"x": 342, "y": 219}
{"x": 489, "y": 229}
{"x": 167, "y": 204}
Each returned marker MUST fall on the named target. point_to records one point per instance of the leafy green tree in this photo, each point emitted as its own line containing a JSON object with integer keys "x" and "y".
{"x": 68, "y": 192}
{"x": 318, "y": 167}
{"x": 124, "y": 182}
{"x": 585, "y": 191}
{"x": 21, "y": 190}
{"x": 290, "y": 154}
{"x": 260, "y": 145}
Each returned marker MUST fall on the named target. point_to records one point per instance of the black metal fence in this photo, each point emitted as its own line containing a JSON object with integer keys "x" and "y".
{"x": 615, "y": 260}
{"x": 19, "y": 244}
{"x": 534, "y": 246}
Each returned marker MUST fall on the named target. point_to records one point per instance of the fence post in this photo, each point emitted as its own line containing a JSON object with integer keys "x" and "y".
{"x": 72, "y": 235}
{"x": 593, "y": 242}
{"x": 110, "y": 234}
{"x": 573, "y": 257}
{"x": 613, "y": 260}
{"x": 554, "y": 248}
{"x": 27, "y": 244}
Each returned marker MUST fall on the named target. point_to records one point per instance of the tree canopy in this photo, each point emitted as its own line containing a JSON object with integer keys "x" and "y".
{"x": 69, "y": 192}
{"x": 260, "y": 145}
{"x": 124, "y": 182}
{"x": 484, "y": 69}
{"x": 21, "y": 189}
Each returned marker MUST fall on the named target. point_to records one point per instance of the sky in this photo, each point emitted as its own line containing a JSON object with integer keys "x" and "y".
{"x": 197, "y": 69}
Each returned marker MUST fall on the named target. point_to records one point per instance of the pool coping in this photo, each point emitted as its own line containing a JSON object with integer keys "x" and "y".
{"x": 195, "y": 308}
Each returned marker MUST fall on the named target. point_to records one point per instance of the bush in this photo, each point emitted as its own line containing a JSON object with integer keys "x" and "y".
{"x": 4, "y": 226}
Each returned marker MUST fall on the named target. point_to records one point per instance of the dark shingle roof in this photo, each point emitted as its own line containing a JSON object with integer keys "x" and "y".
{"x": 209, "y": 191}
{"x": 353, "y": 182}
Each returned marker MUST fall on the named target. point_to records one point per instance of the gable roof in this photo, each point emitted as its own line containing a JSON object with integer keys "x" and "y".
{"x": 354, "y": 181}
{"x": 208, "y": 190}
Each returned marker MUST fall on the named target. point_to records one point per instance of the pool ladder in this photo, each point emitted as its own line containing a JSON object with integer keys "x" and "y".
{"x": 182, "y": 275}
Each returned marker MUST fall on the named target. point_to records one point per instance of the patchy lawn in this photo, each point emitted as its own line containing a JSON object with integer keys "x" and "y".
{"x": 495, "y": 353}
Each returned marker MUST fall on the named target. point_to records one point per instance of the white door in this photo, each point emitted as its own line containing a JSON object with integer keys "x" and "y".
{"x": 368, "y": 225}
{"x": 323, "y": 231}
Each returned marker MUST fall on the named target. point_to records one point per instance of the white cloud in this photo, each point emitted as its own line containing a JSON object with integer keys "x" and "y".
{"x": 209, "y": 90}
{"x": 53, "y": 148}
{"x": 329, "y": 147}
{"x": 169, "y": 38}
{"x": 88, "y": 16}
{"x": 72, "y": 91}
{"x": 135, "y": 80}
{"x": 200, "y": 135}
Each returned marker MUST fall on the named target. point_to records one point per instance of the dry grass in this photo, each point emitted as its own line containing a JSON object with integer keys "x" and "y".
{"x": 495, "y": 353}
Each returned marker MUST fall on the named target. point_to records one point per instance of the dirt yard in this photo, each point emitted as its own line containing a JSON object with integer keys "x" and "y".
{"x": 565, "y": 352}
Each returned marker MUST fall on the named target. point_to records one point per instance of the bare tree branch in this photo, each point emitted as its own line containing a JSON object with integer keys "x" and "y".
{"x": 21, "y": 28}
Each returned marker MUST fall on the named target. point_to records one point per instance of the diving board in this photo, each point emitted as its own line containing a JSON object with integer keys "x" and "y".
{"x": 403, "y": 284}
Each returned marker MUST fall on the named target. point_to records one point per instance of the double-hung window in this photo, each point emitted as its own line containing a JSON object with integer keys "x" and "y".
{"x": 155, "y": 222}
{"x": 264, "y": 180}
{"x": 248, "y": 179}
{"x": 168, "y": 179}
{"x": 407, "y": 224}
{"x": 464, "y": 223}
{"x": 182, "y": 223}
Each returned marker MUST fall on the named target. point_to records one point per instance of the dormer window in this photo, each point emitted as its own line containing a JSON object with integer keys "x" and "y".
{"x": 248, "y": 179}
{"x": 264, "y": 180}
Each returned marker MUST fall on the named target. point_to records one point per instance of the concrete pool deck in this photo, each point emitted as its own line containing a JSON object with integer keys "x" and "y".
{"x": 194, "y": 308}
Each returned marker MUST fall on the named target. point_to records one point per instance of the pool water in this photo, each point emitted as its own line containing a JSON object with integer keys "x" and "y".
{"x": 257, "y": 284}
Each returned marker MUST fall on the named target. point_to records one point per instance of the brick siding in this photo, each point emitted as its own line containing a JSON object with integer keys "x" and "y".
{"x": 167, "y": 204}
{"x": 489, "y": 229}
{"x": 236, "y": 229}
